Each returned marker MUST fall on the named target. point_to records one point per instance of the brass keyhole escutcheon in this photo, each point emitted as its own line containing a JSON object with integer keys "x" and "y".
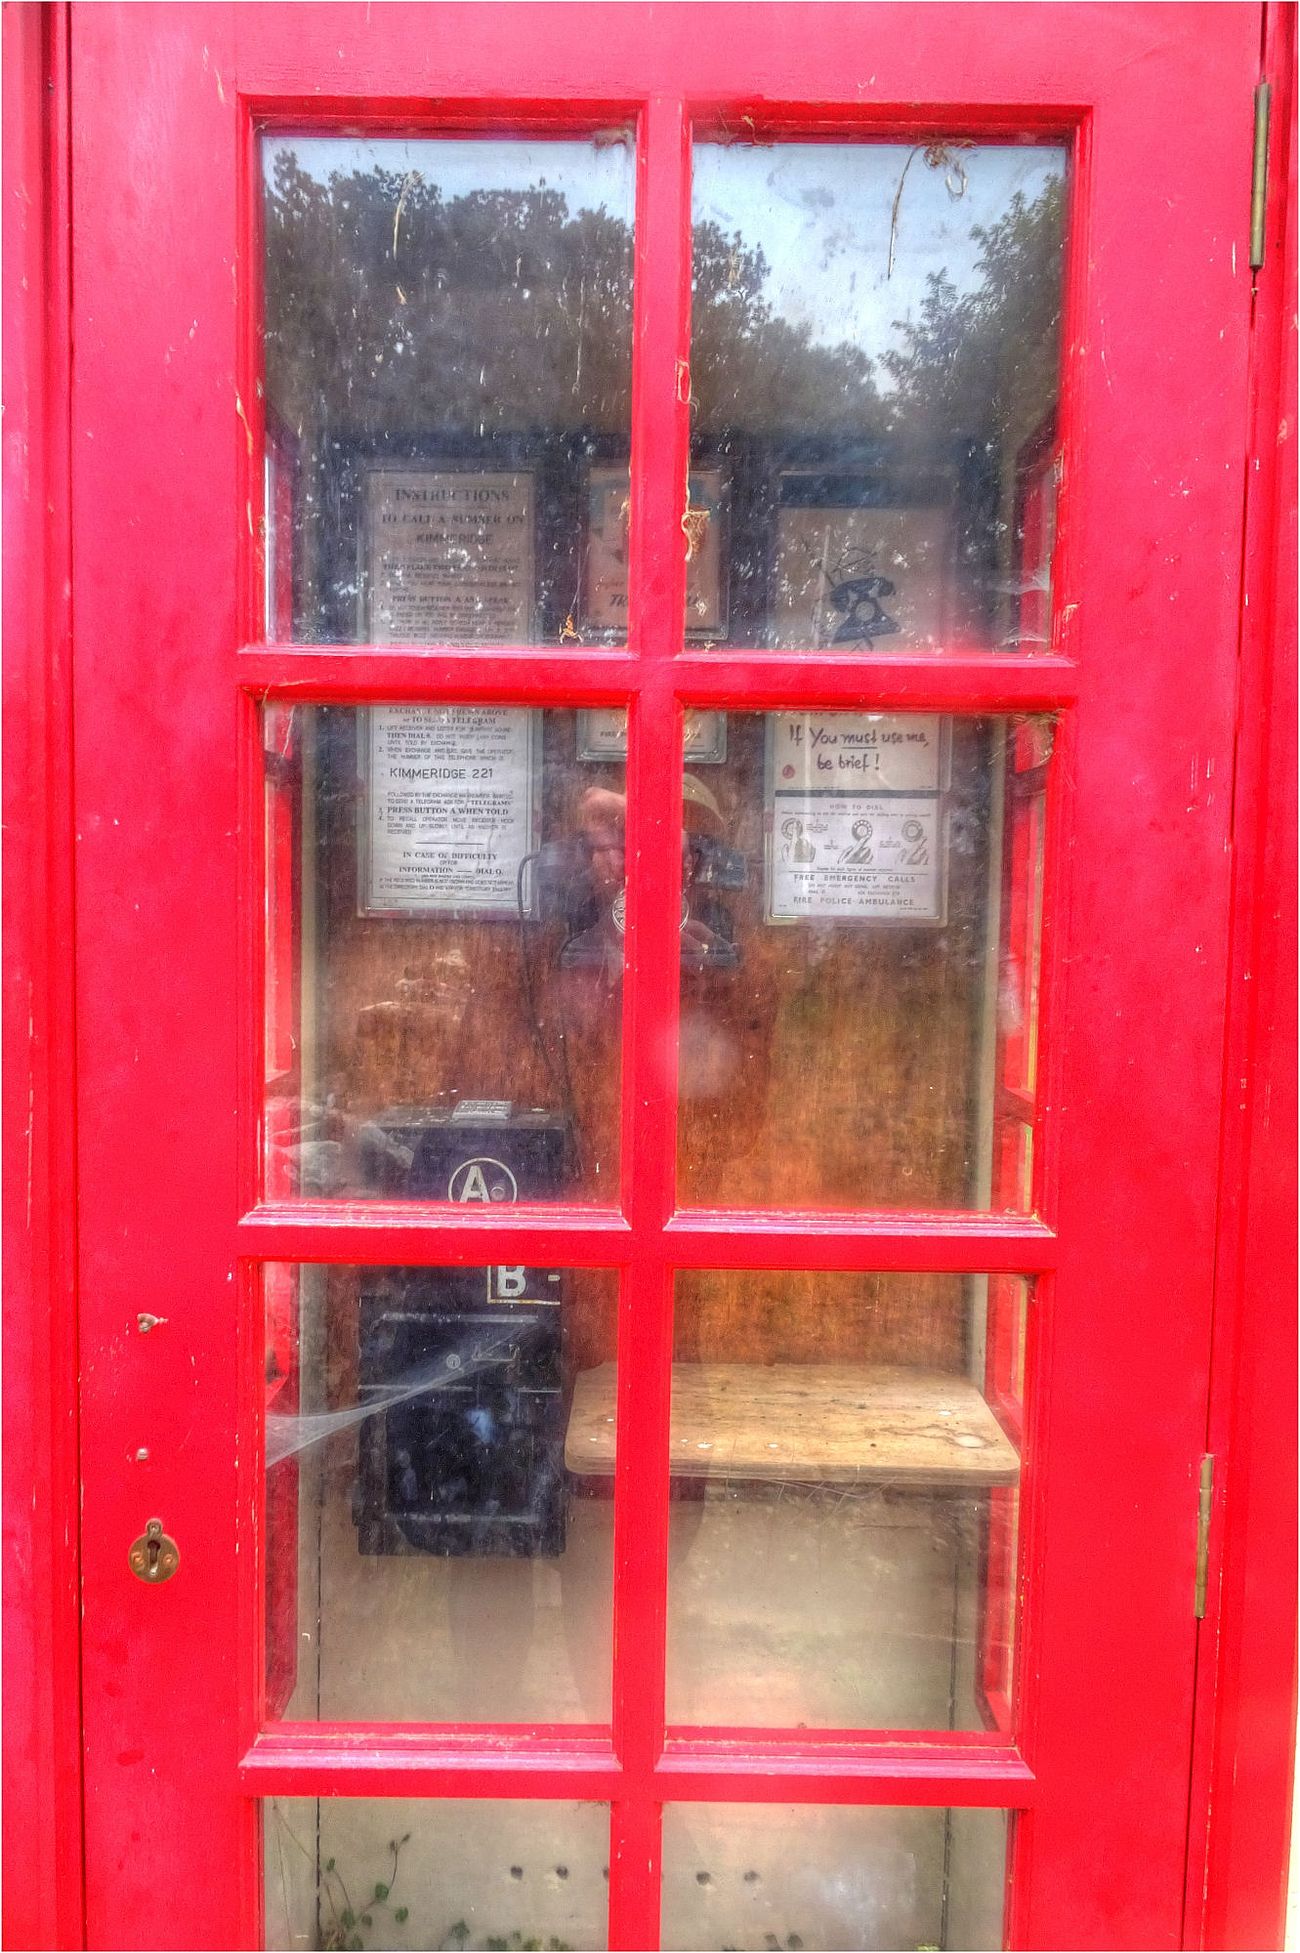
{"x": 155, "y": 1556}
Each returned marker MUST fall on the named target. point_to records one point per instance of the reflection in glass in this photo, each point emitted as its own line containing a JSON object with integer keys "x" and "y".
{"x": 397, "y": 1872}
{"x": 444, "y": 952}
{"x": 1023, "y": 857}
{"x": 874, "y": 360}
{"x": 766, "y": 1876}
{"x": 428, "y": 1557}
{"x": 844, "y": 1455}
{"x": 861, "y": 1030}
{"x": 448, "y": 331}
{"x": 874, "y": 373}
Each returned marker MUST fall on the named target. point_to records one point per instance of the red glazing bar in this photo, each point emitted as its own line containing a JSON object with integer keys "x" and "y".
{"x": 956, "y": 1243}
{"x": 506, "y": 674}
{"x": 594, "y": 1237}
{"x": 1014, "y": 1126}
{"x": 391, "y": 1762}
{"x": 1018, "y": 1707}
{"x": 380, "y": 1766}
{"x": 967, "y": 680}
{"x": 993, "y": 1779}
{"x": 657, "y": 597}
{"x": 634, "y": 1875}
{"x": 252, "y": 519}
{"x": 704, "y": 1745}
{"x": 962, "y": 681}
{"x": 434, "y": 1237}
{"x": 255, "y": 949}
{"x": 562, "y": 1744}
{"x": 416, "y": 116}
{"x": 985, "y": 1778}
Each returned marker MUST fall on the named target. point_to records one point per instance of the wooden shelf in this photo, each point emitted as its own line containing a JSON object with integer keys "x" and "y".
{"x": 845, "y": 1423}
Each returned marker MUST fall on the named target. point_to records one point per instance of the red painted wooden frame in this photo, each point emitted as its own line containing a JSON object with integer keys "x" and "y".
{"x": 42, "y": 1870}
{"x": 1246, "y": 1680}
{"x": 172, "y": 1218}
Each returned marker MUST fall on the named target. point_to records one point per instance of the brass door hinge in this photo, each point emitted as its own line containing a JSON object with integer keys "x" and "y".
{"x": 1203, "y": 1509}
{"x": 1259, "y": 177}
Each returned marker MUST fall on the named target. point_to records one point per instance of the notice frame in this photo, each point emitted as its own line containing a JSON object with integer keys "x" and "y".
{"x": 485, "y": 886}
{"x": 451, "y": 844}
{"x": 851, "y": 852}
{"x": 602, "y": 734}
{"x": 864, "y": 562}
{"x": 606, "y": 555}
{"x": 406, "y": 498}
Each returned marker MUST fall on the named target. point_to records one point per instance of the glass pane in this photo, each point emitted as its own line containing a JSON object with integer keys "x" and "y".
{"x": 1023, "y": 860}
{"x": 788, "y": 1876}
{"x": 856, "y": 964}
{"x": 397, "y": 1872}
{"x": 444, "y": 954}
{"x": 874, "y": 362}
{"x": 448, "y": 334}
{"x": 843, "y": 1451}
{"x": 428, "y": 1556}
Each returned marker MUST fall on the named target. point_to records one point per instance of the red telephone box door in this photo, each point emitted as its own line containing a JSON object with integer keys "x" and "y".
{"x": 655, "y": 593}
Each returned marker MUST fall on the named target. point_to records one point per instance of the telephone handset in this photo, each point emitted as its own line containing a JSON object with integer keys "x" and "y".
{"x": 564, "y": 885}
{"x": 580, "y": 882}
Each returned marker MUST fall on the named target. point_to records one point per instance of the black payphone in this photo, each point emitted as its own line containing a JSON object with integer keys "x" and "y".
{"x": 464, "y": 1367}
{"x": 465, "y": 1451}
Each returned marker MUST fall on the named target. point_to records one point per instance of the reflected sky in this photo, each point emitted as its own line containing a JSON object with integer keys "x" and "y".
{"x": 823, "y": 212}
{"x": 590, "y": 177}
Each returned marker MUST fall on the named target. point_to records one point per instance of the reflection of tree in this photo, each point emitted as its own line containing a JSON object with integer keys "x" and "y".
{"x": 981, "y": 366}
{"x": 751, "y": 369}
{"x": 392, "y": 306}
{"x": 389, "y": 305}
{"x": 982, "y": 363}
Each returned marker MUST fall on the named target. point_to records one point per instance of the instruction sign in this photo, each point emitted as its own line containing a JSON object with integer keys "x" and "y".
{"x": 448, "y": 556}
{"x": 602, "y": 734}
{"x": 855, "y": 816}
{"x": 451, "y": 808}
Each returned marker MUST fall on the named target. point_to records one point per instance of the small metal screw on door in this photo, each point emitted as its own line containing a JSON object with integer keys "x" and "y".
{"x": 155, "y": 1556}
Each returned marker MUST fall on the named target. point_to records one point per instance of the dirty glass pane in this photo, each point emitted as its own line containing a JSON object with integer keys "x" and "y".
{"x": 448, "y": 331}
{"x": 874, "y": 378}
{"x": 859, "y": 961}
{"x": 400, "y": 1872}
{"x": 444, "y": 953}
{"x": 429, "y": 1558}
{"x": 844, "y": 1455}
{"x": 778, "y": 1876}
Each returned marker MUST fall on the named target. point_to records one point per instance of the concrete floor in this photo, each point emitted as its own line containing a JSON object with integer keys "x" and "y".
{"x": 497, "y": 1868}
{"x": 738, "y": 1875}
{"x": 734, "y": 1876}
{"x": 788, "y": 1606}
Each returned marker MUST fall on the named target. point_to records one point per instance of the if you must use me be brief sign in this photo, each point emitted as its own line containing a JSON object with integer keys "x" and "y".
{"x": 854, "y": 816}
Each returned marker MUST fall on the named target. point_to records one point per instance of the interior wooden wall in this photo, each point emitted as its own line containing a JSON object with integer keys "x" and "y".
{"x": 836, "y": 1066}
